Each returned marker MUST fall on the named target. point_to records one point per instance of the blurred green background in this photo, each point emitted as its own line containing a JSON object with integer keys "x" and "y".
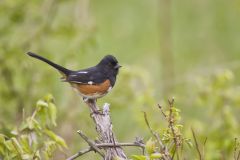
{"x": 185, "y": 49}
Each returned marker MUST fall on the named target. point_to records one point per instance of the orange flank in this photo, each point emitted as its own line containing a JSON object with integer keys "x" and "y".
{"x": 97, "y": 90}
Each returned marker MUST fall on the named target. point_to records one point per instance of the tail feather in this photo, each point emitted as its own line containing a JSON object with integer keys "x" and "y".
{"x": 63, "y": 70}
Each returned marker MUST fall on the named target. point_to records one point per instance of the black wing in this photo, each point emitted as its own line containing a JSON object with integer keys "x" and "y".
{"x": 87, "y": 76}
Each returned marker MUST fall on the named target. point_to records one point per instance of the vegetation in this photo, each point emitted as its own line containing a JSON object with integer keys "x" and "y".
{"x": 34, "y": 139}
{"x": 184, "y": 49}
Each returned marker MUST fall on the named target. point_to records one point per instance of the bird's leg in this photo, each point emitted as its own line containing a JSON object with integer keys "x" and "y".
{"x": 94, "y": 109}
{"x": 97, "y": 112}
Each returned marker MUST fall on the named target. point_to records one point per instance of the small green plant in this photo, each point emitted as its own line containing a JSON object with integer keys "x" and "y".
{"x": 167, "y": 144}
{"x": 34, "y": 139}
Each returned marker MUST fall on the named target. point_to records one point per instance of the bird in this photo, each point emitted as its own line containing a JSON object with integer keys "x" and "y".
{"x": 91, "y": 83}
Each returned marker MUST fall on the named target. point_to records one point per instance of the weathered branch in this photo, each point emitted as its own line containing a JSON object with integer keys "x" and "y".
{"x": 90, "y": 143}
{"x": 80, "y": 153}
{"x": 105, "y": 145}
{"x": 103, "y": 124}
{"x": 106, "y": 138}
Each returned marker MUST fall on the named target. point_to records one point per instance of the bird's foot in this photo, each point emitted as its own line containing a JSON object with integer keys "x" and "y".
{"x": 85, "y": 99}
{"x": 99, "y": 112}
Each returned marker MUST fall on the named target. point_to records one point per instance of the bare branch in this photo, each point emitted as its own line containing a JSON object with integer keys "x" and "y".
{"x": 152, "y": 132}
{"x": 160, "y": 107}
{"x": 156, "y": 135}
{"x": 238, "y": 156}
{"x": 236, "y": 151}
{"x": 171, "y": 122}
{"x": 102, "y": 145}
{"x": 106, "y": 145}
{"x": 80, "y": 153}
{"x": 171, "y": 126}
{"x": 90, "y": 143}
{"x": 204, "y": 144}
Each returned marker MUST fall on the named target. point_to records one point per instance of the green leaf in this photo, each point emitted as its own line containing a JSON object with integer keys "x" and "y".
{"x": 23, "y": 126}
{"x": 32, "y": 124}
{"x": 36, "y": 125}
{"x": 49, "y": 98}
{"x": 37, "y": 155}
{"x": 2, "y": 138}
{"x": 50, "y": 147}
{"x": 139, "y": 157}
{"x": 188, "y": 142}
{"x": 43, "y": 117}
{"x": 24, "y": 140}
{"x": 150, "y": 146}
{"x": 179, "y": 126}
{"x": 155, "y": 155}
{"x": 2, "y": 141}
{"x": 59, "y": 140}
{"x": 118, "y": 158}
{"x": 14, "y": 131}
{"x": 174, "y": 109}
{"x": 9, "y": 145}
{"x": 16, "y": 145}
{"x": 52, "y": 113}
{"x": 26, "y": 156}
{"x": 41, "y": 104}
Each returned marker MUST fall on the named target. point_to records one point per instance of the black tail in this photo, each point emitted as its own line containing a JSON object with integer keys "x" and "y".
{"x": 58, "y": 67}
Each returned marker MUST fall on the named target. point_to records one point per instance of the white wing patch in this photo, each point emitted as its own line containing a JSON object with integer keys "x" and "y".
{"x": 90, "y": 82}
{"x": 84, "y": 72}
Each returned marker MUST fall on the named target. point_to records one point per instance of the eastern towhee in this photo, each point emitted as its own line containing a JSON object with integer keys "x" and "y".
{"x": 93, "y": 82}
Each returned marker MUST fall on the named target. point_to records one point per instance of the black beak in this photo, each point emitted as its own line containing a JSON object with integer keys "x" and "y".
{"x": 117, "y": 66}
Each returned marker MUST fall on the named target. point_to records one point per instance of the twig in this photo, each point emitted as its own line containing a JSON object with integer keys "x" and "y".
{"x": 196, "y": 143}
{"x": 102, "y": 145}
{"x": 203, "y": 150}
{"x": 152, "y": 132}
{"x": 174, "y": 151}
{"x": 235, "y": 148}
{"x": 80, "y": 153}
{"x": 90, "y": 143}
{"x": 139, "y": 141}
{"x": 156, "y": 135}
{"x": 171, "y": 122}
{"x": 171, "y": 126}
{"x": 238, "y": 156}
{"x": 160, "y": 107}
{"x": 106, "y": 145}
{"x": 236, "y": 145}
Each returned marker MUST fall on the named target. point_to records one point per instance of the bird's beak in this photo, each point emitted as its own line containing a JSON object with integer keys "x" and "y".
{"x": 117, "y": 66}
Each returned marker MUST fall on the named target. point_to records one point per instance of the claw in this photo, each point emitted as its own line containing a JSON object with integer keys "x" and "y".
{"x": 85, "y": 99}
{"x": 97, "y": 112}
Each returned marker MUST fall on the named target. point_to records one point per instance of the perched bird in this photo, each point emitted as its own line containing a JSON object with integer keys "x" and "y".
{"x": 92, "y": 83}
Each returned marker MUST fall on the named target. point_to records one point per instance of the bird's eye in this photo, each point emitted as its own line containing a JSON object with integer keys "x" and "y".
{"x": 112, "y": 63}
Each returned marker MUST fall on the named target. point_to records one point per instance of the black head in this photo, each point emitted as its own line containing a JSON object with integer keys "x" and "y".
{"x": 111, "y": 63}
